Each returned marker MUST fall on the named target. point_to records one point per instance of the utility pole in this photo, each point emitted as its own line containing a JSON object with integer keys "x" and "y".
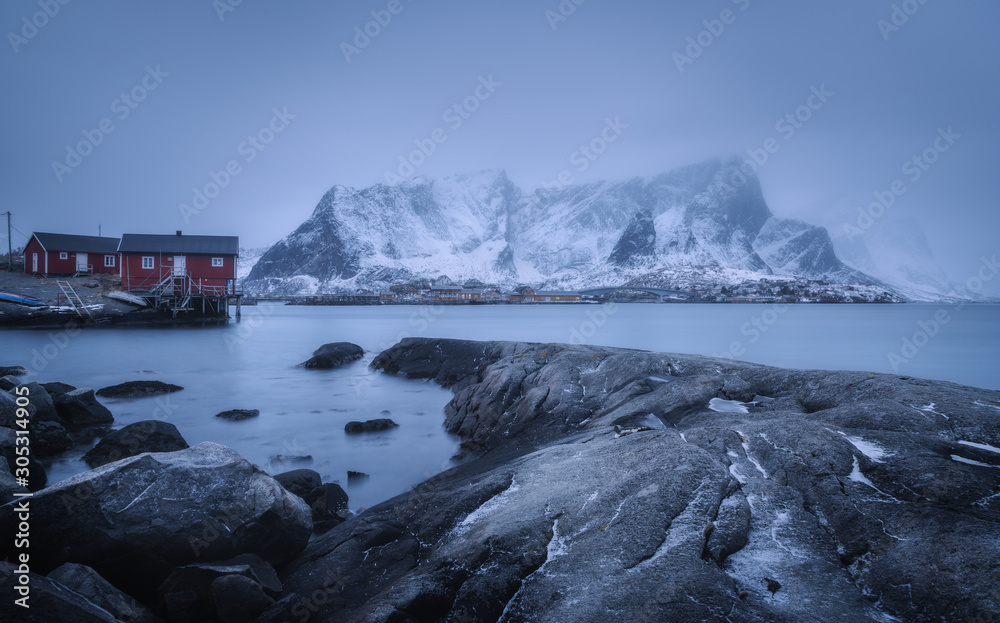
{"x": 10, "y": 247}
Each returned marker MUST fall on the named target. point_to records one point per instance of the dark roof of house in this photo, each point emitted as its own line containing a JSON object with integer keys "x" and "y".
{"x": 84, "y": 244}
{"x": 180, "y": 244}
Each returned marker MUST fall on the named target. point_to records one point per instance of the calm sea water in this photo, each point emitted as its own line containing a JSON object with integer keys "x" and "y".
{"x": 252, "y": 365}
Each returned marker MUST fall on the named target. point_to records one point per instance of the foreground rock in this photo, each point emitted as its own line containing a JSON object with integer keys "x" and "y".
{"x": 37, "y": 477}
{"x": 138, "y": 389}
{"x": 88, "y": 583}
{"x": 606, "y": 488}
{"x": 79, "y": 408}
{"x": 235, "y": 415}
{"x": 48, "y": 601}
{"x": 334, "y": 355}
{"x": 299, "y": 481}
{"x": 370, "y": 426}
{"x": 191, "y": 592}
{"x": 136, "y": 519}
{"x": 134, "y": 439}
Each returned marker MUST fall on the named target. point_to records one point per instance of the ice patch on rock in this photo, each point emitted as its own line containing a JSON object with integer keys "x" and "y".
{"x": 962, "y": 459}
{"x": 489, "y": 507}
{"x": 981, "y": 446}
{"x": 869, "y": 449}
{"x": 727, "y": 406}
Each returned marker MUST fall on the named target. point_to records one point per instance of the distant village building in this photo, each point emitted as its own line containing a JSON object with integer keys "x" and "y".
{"x": 203, "y": 263}
{"x": 554, "y": 296}
{"x": 66, "y": 254}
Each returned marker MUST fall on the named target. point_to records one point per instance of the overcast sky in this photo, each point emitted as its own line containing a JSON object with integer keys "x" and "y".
{"x": 165, "y": 94}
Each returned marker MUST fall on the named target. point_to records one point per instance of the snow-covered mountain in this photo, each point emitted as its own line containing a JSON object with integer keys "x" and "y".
{"x": 483, "y": 227}
{"x": 249, "y": 256}
{"x": 896, "y": 251}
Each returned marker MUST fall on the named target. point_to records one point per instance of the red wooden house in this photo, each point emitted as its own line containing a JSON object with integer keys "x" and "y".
{"x": 192, "y": 264}
{"x": 66, "y": 254}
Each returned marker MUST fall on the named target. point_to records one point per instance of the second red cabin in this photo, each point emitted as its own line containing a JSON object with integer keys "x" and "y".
{"x": 206, "y": 263}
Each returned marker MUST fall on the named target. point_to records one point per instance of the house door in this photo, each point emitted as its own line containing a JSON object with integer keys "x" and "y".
{"x": 34, "y": 262}
{"x": 81, "y": 262}
{"x": 180, "y": 265}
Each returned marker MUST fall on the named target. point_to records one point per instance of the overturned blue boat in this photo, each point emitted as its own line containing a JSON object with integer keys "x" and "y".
{"x": 9, "y": 297}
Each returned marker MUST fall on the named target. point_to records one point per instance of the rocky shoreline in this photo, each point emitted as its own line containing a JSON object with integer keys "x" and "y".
{"x": 602, "y": 484}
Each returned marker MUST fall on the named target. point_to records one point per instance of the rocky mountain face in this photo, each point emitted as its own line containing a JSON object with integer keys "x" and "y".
{"x": 483, "y": 227}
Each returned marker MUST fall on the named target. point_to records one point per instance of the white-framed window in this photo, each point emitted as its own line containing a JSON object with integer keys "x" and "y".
{"x": 217, "y": 262}
{"x": 147, "y": 261}
{"x": 63, "y": 255}
{"x": 109, "y": 261}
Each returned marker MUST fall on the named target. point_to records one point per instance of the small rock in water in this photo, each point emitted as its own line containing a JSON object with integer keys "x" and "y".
{"x": 281, "y": 458}
{"x": 356, "y": 478}
{"x": 137, "y": 389}
{"x": 333, "y": 355}
{"x": 12, "y": 371}
{"x": 370, "y": 426}
{"x": 236, "y": 415}
{"x": 56, "y": 388}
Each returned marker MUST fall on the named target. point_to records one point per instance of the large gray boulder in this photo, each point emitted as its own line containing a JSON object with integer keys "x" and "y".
{"x": 159, "y": 510}
{"x": 611, "y": 484}
{"x": 334, "y": 355}
{"x": 136, "y": 438}
{"x": 79, "y": 408}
